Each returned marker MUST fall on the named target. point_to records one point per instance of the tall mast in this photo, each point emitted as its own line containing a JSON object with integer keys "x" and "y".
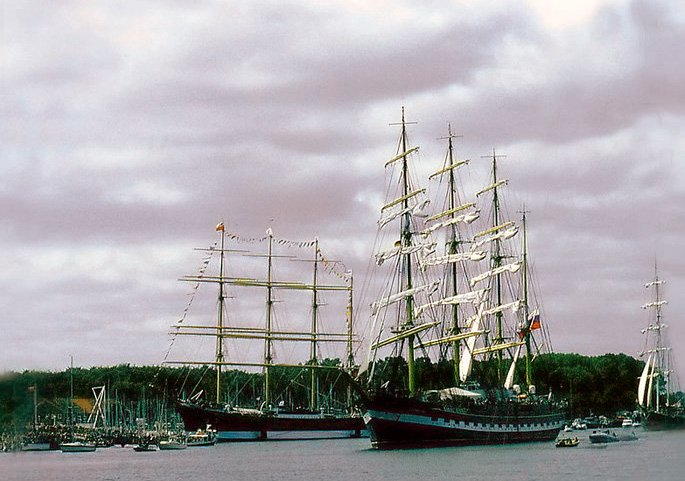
{"x": 453, "y": 244}
{"x": 497, "y": 262}
{"x": 315, "y": 307}
{"x": 267, "y": 341}
{"x": 220, "y": 317}
{"x": 526, "y": 309}
{"x": 407, "y": 265}
{"x": 661, "y": 363}
{"x": 71, "y": 397}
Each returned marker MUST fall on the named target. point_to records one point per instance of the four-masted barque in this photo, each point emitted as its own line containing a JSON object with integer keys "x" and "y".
{"x": 658, "y": 382}
{"x": 466, "y": 306}
{"x": 275, "y": 413}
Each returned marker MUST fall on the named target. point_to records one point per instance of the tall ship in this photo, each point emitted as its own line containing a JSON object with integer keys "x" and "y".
{"x": 657, "y": 387}
{"x": 280, "y": 398}
{"x": 453, "y": 328}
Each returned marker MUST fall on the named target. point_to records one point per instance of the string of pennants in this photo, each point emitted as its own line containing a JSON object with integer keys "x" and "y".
{"x": 201, "y": 271}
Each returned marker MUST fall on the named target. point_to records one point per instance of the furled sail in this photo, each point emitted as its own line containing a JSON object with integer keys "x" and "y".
{"x": 402, "y": 155}
{"x": 386, "y": 301}
{"x": 491, "y": 187}
{"x": 472, "y": 297}
{"x": 475, "y": 256}
{"x": 654, "y": 304}
{"x": 655, "y": 283}
{"x": 415, "y": 209}
{"x": 643, "y": 382}
{"x": 453, "y": 166}
{"x": 402, "y": 250}
{"x": 468, "y": 218}
{"x": 513, "y": 267}
{"x": 451, "y": 211}
{"x": 514, "y": 306}
{"x": 505, "y": 234}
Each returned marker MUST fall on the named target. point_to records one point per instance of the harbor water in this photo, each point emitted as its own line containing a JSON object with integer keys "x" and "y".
{"x": 656, "y": 455}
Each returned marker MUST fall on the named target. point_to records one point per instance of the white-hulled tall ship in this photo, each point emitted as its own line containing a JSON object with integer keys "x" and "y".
{"x": 658, "y": 383}
{"x": 466, "y": 303}
{"x": 274, "y": 411}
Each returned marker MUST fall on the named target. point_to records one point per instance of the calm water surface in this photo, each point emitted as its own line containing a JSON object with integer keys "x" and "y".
{"x": 656, "y": 456}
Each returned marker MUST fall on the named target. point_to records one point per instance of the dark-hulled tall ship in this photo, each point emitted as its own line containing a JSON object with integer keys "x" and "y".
{"x": 455, "y": 293}
{"x": 275, "y": 411}
{"x": 658, "y": 384}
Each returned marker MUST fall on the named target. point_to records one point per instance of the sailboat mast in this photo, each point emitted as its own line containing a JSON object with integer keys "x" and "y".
{"x": 497, "y": 262}
{"x": 71, "y": 398}
{"x": 526, "y": 310}
{"x": 267, "y": 343}
{"x": 315, "y": 307}
{"x": 660, "y": 363}
{"x": 220, "y": 317}
{"x": 452, "y": 249}
{"x": 406, "y": 242}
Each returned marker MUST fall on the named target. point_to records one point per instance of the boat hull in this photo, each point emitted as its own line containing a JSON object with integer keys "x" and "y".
{"x": 77, "y": 447}
{"x": 423, "y": 425}
{"x": 657, "y": 421}
{"x": 239, "y": 425}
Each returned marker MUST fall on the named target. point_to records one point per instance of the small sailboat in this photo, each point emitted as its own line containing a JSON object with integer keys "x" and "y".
{"x": 453, "y": 310}
{"x": 658, "y": 383}
{"x": 74, "y": 445}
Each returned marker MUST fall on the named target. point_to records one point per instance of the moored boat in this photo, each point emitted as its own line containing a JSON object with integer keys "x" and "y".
{"x": 603, "y": 437}
{"x": 657, "y": 387}
{"x": 325, "y": 409}
{"x": 444, "y": 304}
{"x": 567, "y": 442}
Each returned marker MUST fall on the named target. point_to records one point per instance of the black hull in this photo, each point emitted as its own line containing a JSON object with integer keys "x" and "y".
{"x": 655, "y": 421}
{"x": 237, "y": 422}
{"x": 413, "y": 424}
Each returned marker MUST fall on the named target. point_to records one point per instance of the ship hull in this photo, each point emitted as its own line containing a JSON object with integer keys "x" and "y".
{"x": 244, "y": 426}
{"x": 657, "y": 421}
{"x": 424, "y": 425}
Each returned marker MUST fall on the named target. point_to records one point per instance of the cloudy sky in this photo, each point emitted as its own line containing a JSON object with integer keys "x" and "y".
{"x": 129, "y": 129}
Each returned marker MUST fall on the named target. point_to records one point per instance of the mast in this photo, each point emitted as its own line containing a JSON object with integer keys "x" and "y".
{"x": 406, "y": 240}
{"x": 452, "y": 245}
{"x": 315, "y": 306}
{"x": 660, "y": 351}
{"x": 267, "y": 339}
{"x": 220, "y": 317}
{"x": 497, "y": 262}
{"x": 70, "y": 410}
{"x": 526, "y": 309}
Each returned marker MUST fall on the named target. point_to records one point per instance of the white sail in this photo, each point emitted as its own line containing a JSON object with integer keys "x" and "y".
{"x": 643, "y": 382}
{"x": 651, "y": 378}
{"x": 491, "y": 187}
{"x": 655, "y": 283}
{"x": 514, "y": 306}
{"x": 467, "y": 218}
{"x": 451, "y": 211}
{"x": 509, "y": 381}
{"x": 472, "y": 297}
{"x": 505, "y": 234}
{"x": 416, "y": 209}
{"x": 386, "y": 301}
{"x": 475, "y": 256}
{"x": 513, "y": 267}
{"x": 466, "y": 361}
{"x": 400, "y": 250}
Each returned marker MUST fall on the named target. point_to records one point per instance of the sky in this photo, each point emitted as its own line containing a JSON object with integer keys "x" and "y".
{"x": 130, "y": 129}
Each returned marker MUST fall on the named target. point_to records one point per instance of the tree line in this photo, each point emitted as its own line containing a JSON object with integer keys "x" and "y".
{"x": 602, "y": 384}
